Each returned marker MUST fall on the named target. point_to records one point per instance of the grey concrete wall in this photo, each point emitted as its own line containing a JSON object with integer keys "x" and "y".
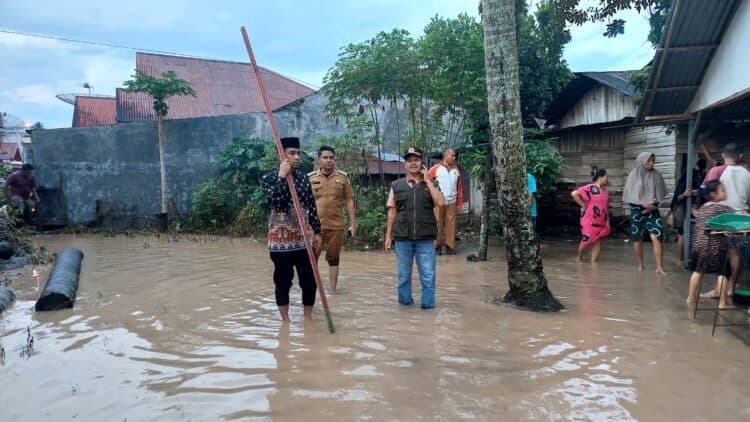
{"x": 118, "y": 166}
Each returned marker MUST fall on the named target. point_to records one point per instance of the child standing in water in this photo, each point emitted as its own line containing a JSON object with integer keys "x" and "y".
{"x": 709, "y": 252}
{"x": 594, "y": 202}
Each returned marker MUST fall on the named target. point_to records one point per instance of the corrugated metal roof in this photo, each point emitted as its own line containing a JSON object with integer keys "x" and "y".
{"x": 221, "y": 87}
{"x": 693, "y": 31}
{"x": 617, "y": 80}
{"x": 9, "y": 151}
{"x": 581, "y": 83}
{"x": 94, "y": 111}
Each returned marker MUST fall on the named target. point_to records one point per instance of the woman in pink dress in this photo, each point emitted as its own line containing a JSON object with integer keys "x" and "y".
{"x": 594, "y": 202}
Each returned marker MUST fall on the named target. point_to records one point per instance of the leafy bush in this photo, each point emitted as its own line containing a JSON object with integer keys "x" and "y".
{"x": 371, "y": 214}
{"x": 214, "y": 206}
{"x": 253, "y": 217}
{"x": 544, "y": 163}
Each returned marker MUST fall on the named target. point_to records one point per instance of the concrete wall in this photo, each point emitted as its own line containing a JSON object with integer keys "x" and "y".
{"x": 118, "y": 165}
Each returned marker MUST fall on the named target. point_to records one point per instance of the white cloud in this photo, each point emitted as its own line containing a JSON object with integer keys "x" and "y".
{"x": 37, "y": 94}
{"x": 314, "y": 78}
{"x": 137, "y": 14}
{"x": 107, "y": 71}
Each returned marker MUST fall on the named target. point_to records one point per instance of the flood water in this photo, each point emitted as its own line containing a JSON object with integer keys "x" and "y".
{"x": 189, "y": 330}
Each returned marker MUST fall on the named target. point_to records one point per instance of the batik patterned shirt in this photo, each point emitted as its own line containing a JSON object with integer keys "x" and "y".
{"x": 284, "y": 233}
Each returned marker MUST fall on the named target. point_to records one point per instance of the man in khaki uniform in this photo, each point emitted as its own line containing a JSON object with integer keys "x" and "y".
{"x": 332, "y": 190}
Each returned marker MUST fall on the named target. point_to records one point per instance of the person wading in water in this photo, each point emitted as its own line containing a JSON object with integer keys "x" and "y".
{"x": 644, "y": 191}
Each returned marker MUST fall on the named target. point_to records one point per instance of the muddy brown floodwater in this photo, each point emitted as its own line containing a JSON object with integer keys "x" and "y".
{"x": 188, "y": 330}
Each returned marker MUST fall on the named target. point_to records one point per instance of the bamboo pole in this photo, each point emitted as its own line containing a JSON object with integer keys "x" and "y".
{"x": 290, "y": 182}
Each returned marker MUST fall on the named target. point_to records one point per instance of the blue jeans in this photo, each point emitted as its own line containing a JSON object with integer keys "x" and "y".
{"x": 424, "y": 251}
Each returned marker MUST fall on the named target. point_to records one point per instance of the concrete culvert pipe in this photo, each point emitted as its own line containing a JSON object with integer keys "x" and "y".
{"x": 62, "y": 284}
{"x": 6, "y": 297}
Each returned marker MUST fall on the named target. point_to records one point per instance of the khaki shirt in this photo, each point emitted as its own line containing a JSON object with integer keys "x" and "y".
{"x": 331, "y": 193}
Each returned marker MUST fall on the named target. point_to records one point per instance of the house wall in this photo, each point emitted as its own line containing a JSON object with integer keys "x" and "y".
{"x": 586, "y": 148}
{"x": 601, "y": 104}
{"x": 658, "y": 140}
{"x": 727, "y": 75}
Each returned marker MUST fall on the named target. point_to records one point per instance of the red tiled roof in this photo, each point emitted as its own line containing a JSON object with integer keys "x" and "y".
{"x": 94, "y": 111}
{"x": 221, "y": 87}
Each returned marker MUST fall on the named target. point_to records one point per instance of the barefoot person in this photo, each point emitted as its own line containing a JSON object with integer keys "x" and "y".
{"x": 285, "y": 239}
{"x": 594, "y": 202}
{"x": 332, "y": 191}
{"x": 710, "y": 251}
{"x": 411, "y": 224}
{"x": 735, "y": 180}
{"x": 644, "y": 191}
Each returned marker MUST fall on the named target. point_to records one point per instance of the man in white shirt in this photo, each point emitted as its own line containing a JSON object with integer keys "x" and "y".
{"x": 449, "y": 180}
{"x": 736, "y": 179}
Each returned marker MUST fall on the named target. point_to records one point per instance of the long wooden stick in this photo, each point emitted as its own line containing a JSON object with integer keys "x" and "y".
{"x": 290, "y": 182}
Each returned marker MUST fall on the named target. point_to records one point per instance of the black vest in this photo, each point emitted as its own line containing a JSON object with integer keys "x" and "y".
{"x": 415, "y": 218}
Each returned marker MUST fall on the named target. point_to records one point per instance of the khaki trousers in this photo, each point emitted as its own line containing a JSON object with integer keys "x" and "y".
{"x": 446, "y": 226}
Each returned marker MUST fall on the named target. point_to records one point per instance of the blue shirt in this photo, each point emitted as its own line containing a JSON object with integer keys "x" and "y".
{"x": 532, "y": 189}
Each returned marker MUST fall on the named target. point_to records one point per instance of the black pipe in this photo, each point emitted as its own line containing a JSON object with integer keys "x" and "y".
{"x": 62, "y": 284}
{"x": 6, "y": 250}
{"x": 6, "y": 297}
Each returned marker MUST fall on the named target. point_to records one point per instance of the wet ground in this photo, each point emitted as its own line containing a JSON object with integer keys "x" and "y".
{"x": 189, "y": 331}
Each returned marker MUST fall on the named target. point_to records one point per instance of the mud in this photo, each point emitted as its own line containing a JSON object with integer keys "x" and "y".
{"x": 188, "y": 330}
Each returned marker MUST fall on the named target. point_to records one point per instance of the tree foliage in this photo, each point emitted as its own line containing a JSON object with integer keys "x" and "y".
{"x": 440, "y": 77}
{"x": 608, "y": 10}
{"x": 159, "y": 88}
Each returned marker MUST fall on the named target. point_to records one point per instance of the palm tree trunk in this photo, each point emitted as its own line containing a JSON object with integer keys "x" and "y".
{"x": 162, "y": 165}
{"x": 526, "y": 279}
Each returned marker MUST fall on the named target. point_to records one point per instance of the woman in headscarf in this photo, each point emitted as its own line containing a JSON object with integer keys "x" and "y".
{"x": 644, "y": 190}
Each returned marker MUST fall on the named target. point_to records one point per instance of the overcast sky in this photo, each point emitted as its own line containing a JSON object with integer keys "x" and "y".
{"x": 297, "y": 38}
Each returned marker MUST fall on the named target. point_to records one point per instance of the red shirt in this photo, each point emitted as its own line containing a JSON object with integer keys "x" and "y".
{"x": 715, "y": 173}
{"x": 20, "y": 184}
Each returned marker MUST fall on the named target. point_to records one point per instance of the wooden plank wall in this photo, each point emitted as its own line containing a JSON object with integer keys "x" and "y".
{"x": 656, "y": 140}
{"x": 586, "y": 148}
{"x": 601, "y": 104}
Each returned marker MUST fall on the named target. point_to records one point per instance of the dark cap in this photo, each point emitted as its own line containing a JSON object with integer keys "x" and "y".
{"x": 413, "y": 151}
{"x": 290, "y": 142}
{"x": 27, "y": 167}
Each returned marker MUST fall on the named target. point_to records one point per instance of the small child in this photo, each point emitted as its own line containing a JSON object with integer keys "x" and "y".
{"x": 709, "y": 251}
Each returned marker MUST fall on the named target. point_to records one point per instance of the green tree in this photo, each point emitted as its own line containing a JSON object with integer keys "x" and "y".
{"x": 452, "y": 51}
{"x": 160, "y": 89}
{"x": 365, "y": 74}
{"x": 543, "y": 71}
{"x": 527, "y": 282}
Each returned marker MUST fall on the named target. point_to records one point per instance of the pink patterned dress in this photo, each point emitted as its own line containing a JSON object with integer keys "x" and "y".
{"x": 594, "y": 218}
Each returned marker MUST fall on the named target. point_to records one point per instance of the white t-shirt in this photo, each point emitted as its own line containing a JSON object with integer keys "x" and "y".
{"x": 736, "y": 181}
{"x": 448, "y": 182}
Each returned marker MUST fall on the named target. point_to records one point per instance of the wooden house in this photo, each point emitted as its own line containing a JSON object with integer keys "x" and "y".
{"x": 592, "y": 119}
{"x": 699, "y": 80}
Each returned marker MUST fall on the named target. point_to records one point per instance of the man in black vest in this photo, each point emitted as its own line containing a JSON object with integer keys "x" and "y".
{"x": 411, "y": 224}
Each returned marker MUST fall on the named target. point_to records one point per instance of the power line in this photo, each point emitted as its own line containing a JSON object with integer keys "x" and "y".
{"x": 145, "y": 50}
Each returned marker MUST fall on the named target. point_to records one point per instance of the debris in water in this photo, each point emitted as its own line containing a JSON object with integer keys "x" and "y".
{"x": 29, "y": 347}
